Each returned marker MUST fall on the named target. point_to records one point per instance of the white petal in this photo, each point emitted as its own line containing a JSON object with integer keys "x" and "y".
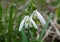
{"x": 26, "y": 17}
{"x": 40, "y": 17}
{"x": 21, "y": 24}
{"x": 34, "y": 24}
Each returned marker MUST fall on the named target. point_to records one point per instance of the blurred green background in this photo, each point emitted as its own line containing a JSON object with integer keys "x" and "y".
{"x": 11, "y": 16}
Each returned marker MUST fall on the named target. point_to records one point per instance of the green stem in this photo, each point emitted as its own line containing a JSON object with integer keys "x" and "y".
{"x": 24, "y": 39}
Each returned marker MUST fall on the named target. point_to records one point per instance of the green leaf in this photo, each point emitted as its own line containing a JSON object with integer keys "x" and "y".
{"x": 24, "y": 39}
{"x": 10, "y": 27}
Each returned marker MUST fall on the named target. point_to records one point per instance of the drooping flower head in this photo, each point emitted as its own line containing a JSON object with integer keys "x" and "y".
{"x": 26, "y": 22}
{"x": 36, "y": 14}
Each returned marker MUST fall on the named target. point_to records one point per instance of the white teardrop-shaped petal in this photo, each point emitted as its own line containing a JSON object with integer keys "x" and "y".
{"x": 40, "y": 17}
{"x": 34, "y": 24}
{"x": 21, "y": 24}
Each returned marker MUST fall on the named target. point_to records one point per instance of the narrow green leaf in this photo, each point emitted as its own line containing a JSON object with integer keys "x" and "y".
{"x": 24, "y": 39}
{"x": 31, "y": 33}
{"x": 10, "y": 29}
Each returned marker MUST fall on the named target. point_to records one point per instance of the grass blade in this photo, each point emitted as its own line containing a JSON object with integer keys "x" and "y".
{"x": 10, "y": 28}
{"x": 24, "y": 39}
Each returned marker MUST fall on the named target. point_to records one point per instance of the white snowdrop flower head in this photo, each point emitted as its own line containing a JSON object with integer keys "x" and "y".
{"x": 39, "y": 16}
{"x": 26, "y": 22}
{"x": 22, "y": 23}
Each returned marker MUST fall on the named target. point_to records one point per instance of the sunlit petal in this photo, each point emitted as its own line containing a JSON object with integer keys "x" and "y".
{"x": 21, "y": 24}
{"x": 34, "y": 24}
{"x": 40, "y": 17}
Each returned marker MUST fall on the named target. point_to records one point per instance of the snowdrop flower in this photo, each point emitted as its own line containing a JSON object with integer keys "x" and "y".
{"x": 26, "y": 22}
{"x": 39, "y": 16}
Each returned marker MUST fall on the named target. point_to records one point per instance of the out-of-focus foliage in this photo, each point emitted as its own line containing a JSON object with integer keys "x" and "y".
{"x": 11, "y": 16}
